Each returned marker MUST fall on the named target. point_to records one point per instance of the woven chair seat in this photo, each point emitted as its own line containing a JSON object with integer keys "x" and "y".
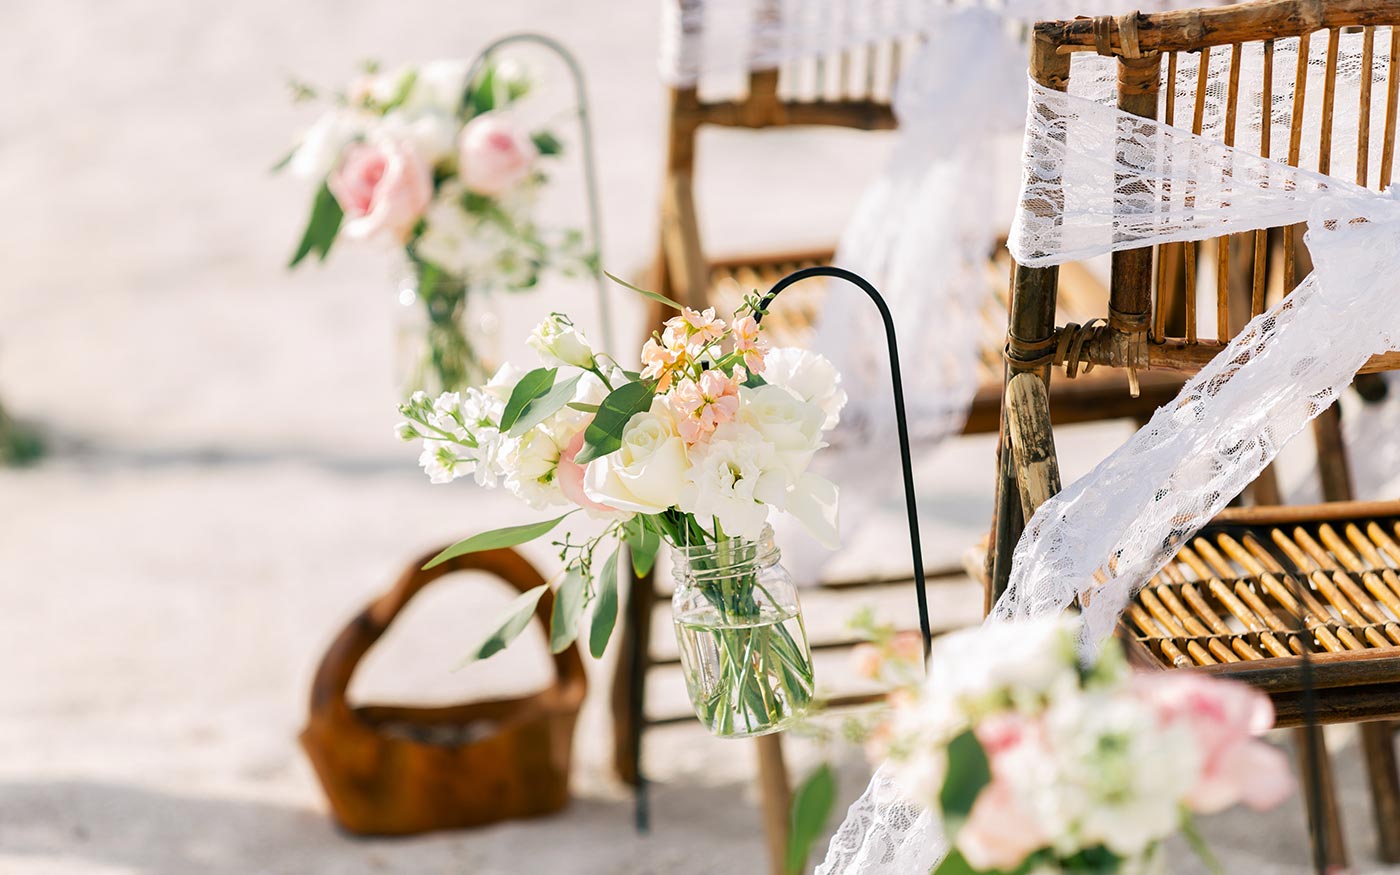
{"x": 1238, "y": 597}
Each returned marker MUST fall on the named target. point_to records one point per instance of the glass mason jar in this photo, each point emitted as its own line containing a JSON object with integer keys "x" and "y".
{"x": 743, "y": 646}
{"x": 448, "y": 336}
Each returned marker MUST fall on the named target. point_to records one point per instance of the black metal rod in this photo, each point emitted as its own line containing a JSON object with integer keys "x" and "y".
{"x": 901, "y": 419}
{"x": 590, "y": 164}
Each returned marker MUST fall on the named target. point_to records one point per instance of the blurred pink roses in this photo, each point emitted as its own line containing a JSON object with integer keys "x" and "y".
{"x": 1000, "y": 831}
{"x": 1224, "y": 717}
{"x": 495, "y": 155}
{"x": 383, "y": 189}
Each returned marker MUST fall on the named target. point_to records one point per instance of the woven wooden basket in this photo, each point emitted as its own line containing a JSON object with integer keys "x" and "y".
{"x": 394, "y": 770}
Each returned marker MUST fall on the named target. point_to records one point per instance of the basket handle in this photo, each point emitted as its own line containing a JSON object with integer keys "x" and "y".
{"x": 338, "y": 665}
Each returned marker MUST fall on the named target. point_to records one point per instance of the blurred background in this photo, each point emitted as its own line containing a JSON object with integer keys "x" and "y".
{"x": 223, "y": 489}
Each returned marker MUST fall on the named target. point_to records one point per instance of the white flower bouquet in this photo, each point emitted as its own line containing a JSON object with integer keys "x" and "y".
{"x": 422, "y": 159}
{"x": 697, "y": 449}
{"x": 1039, "y": 764}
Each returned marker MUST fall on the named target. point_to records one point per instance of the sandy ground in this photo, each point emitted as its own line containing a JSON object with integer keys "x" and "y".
{"x": 223, "y": 490}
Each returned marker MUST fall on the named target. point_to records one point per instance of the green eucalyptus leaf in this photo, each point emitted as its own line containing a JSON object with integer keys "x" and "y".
{"x": 604, "y": 434}
{"x": 655, "y": 296}
{"x": 495, "y": 540}
{"x": 581, "y": 407}
{"x": 531, "y": 386}
{"x": 954, "y": 864}
{"x": 643, "y": 545}
{"x": 547, "y": 143}
{"x": 286, "y": 159}
{"x": 568, "y": 609}
{"x": 811, "y": 806}
{"x": 321, "y": 227}
{"x": 517, "y": 617}
{"x": 968, "y": 773}
{"x": 544, "y": 406}
{"x": 604, "y": 608}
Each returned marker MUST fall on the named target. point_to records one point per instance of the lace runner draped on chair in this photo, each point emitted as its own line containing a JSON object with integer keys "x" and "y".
{"x": 1098, "y": 179}
{"x": 924, "y": 229}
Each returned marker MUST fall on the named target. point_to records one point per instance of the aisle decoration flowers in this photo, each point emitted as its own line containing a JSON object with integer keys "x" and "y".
{"x": 420, "y": 159}
{"x": 1037, "y": 763}
{"x": 697, "y": 450}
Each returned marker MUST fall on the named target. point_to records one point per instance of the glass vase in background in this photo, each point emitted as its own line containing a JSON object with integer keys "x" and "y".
{"x": 448, "y": 332}
{"x": 743, "y": 645}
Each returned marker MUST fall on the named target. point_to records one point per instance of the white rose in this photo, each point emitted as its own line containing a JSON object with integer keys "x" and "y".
{"x": 321, "y": 145}
{"x": 438, "y": 87}
{"x": 558, "y": 342}
{"x": 791, "y": 425}
{"x": 432, "y": 134}
{"x": 1029, "y": 660}
{"x": 734, "y": 478}
{"x": 647, "y": 473}
{"x": 810, "y": 377}
{"x": 502, "y": 383}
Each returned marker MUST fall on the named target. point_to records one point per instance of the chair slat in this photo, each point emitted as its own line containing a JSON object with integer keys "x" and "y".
{"x": 1392, "y": 96}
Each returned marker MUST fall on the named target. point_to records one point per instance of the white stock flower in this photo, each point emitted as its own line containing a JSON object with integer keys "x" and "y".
{"x": 734, "y": 478}
{"x": 472, "y": 421}
{"x": 531, "y": 465}
{"x": 809, "y": 376}
{"x": 321, "y": 145}
{"x": 647, "y": 473}
{"x": 557, "y": 341}
{"x": 790, "y": 424}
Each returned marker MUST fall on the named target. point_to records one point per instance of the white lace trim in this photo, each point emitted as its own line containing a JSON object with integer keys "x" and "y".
{"x": 1098, "y": 180}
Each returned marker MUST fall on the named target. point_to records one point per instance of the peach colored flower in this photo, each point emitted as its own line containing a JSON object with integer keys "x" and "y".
{"x": 750, "y": 343}
{"x": 570, "y": 475}
{"x": 661, "y": 363}
{"x": 703, "y": 406}
{"x": 693, "y": 327}
{"x": 383, "y": 188}
{"x": 495, "y": 155}
{"x": 908, "y": 647}
{"x": 1224, "y": 716}
{"x": 868, "y": 660}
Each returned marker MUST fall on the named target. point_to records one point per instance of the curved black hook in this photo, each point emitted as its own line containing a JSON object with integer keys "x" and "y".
{"x": 901, "y": 419}
{"x": 590, "y": 167}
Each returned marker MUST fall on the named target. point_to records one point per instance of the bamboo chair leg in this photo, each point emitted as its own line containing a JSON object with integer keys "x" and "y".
{"x": 1007, "y": 523}
{"x": 1327, "y": 822}
{"x": 776, "y": 794}
{"x": 629, "y": 680}
{"x": 1378, "y": 743}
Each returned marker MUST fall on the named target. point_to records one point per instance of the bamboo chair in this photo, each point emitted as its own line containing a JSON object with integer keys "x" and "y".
{"x": 850, "y": 90}
{"x": 1225, "y": 603}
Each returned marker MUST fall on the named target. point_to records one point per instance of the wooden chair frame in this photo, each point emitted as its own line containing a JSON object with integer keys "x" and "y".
{"x": 1357, "y": 684}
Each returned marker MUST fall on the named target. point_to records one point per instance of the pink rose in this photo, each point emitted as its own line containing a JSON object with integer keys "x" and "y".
{"x": 1000, "y": 832}
{"x": 571, "y": 477}
{"x": 383, "y": 189}
{"x": 495, "y": 155}
{"x": 1223, "y": 716}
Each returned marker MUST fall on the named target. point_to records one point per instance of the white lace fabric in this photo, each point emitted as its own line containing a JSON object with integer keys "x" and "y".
{"x": 1098, "y": 180}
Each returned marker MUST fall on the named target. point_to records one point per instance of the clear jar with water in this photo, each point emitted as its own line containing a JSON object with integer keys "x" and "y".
{"x": 743, "y": 646}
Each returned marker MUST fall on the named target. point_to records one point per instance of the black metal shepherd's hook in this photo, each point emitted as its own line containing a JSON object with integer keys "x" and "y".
{"x": 901, "y": 419}
{"x": 590, "y": 168}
